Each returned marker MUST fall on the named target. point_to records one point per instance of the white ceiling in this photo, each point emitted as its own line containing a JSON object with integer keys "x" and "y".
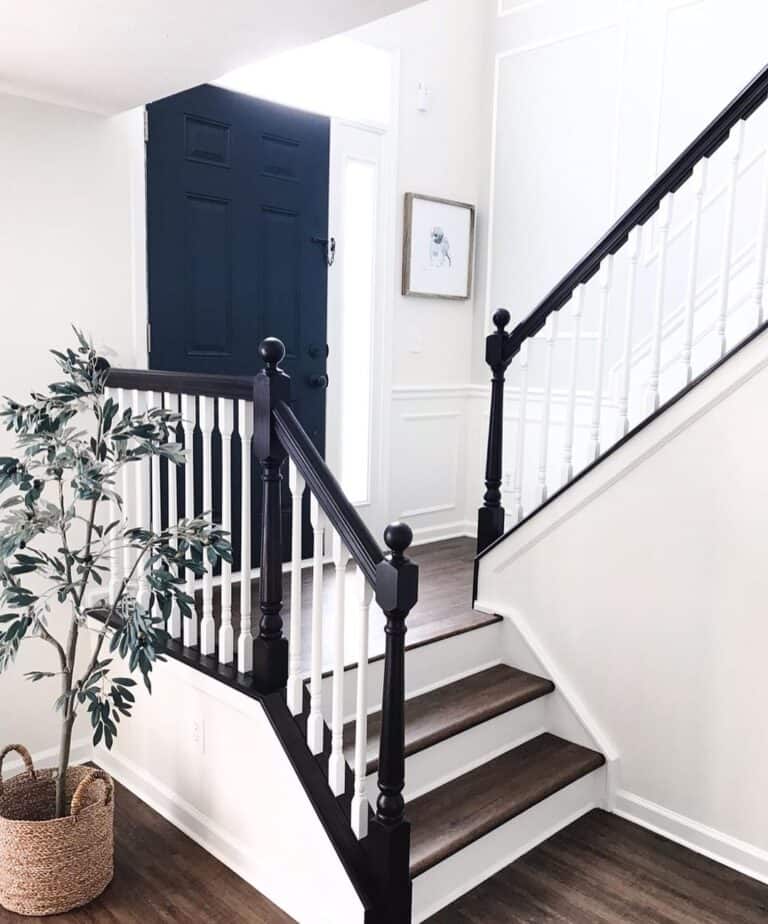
{"x": 111, "y": 55}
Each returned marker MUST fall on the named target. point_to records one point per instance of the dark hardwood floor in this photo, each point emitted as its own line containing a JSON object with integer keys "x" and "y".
{"x": 163, "y": 876}
{"x": 600, "y": 870}
{"x": 604, "y": 870}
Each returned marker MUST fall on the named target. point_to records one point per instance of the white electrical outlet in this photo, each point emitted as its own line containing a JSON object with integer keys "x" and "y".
{"x": 198, "y": 734}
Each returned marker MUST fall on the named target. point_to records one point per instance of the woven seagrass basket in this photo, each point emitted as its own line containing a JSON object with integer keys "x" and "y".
{"x": 49, "y": 865}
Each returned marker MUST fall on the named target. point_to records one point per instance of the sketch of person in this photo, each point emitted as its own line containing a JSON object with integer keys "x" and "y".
{"x": 439, "y": 249}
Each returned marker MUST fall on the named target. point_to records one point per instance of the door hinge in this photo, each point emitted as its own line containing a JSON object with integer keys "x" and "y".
{"x": 146, "y": 126}
{"x": 149, "y": 338}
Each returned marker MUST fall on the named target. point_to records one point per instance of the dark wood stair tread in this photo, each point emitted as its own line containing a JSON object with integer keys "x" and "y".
{"x": 453, "y": 708}
{"x": 459, "y": 812}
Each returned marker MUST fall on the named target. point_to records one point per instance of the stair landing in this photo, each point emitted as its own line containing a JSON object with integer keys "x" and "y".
{"x": 444, "y": 608}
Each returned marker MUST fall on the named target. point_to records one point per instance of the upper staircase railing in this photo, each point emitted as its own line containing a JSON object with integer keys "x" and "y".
{"x": 257, "y": 411}
{"x": 662, "y": 348}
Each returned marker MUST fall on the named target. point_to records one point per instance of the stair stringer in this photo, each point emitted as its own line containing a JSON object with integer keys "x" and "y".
{"x": 238, "y": 792}
{"x": 568, "y": 716}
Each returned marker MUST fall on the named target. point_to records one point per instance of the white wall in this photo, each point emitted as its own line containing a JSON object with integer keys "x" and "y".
{"x": 645, "y": 585}
{"x": 443, "y": 152}
{"x": 592, "y": 101}
{"x": 206, "y": 757}
{"x": 69, "y": 254}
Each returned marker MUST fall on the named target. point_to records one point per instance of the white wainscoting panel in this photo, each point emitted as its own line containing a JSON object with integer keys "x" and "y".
{"x": 429, "y": 460}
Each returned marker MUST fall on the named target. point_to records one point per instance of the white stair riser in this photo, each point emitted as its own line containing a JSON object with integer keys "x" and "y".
{"x": 455, "y": 876}
{"x": 426, "y": 667}
{"x": 461, "y": 753}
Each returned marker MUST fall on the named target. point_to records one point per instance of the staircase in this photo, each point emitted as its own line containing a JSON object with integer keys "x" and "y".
{"x": 489, "y": 768}
{"x": 484, "y": 750}
{"x": 442, "y": 760}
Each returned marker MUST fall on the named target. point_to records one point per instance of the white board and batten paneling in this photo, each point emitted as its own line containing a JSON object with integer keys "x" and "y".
{"x": 591, "y": 102}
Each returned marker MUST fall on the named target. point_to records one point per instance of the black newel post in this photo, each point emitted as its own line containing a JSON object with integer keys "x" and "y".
{"x": 490, "y": 517}
{"x": 389, "y": 840}
{"x": 270, "y": 654}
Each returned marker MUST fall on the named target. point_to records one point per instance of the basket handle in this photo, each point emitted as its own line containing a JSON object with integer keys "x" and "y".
{"x": 79, "y": 795}
{"x": 25, "y": 756}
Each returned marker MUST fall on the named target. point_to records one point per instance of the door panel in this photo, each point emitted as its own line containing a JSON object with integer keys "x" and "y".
{"x": 237, "y": 189}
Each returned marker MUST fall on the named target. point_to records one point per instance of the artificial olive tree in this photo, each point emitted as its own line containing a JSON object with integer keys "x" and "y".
{"x": 59, "y": 539}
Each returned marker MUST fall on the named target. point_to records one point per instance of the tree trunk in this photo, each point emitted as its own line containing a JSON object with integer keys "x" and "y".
{"x": 64, "y": 750}
{"x": 68, "y": 719}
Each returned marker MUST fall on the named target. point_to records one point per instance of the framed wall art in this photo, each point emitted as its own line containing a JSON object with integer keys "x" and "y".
{"x": 438, "y": 247}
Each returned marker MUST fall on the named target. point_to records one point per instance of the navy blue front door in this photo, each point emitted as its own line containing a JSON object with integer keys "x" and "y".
{"x": 237, "y": 209}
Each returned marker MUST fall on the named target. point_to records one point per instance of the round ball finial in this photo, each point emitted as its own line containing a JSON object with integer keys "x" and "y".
{"x": 272, "y": 351}
{"x": 501, "y": 317}
{"x": 398, "y": 536}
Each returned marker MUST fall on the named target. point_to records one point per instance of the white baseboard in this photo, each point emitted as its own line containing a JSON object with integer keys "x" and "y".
{"x": 730, "y": 851}
{"x": 422, "y": 535}
{"x": 80, "y": 752}
{"x": 180, "y": 813}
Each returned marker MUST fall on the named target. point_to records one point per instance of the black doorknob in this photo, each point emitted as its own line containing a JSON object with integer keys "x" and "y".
{"x": 318, "y": 381}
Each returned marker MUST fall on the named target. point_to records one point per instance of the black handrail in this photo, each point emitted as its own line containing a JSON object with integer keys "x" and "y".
{"x": 667, "y": 182}
{"x": 183, "y": 383}
{"x": 332, "y": 499}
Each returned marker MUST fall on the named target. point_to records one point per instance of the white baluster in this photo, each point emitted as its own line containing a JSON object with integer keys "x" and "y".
{"x": 207, "y": 626}
{"x": 171, "y": 403}
{"x": 506, "y": 491}
{"x": 295, "y": 686}
{"x": 315, "y": 725}
{"x": 570, "y": 423}
{"x": 115, "y": 576}
{"x": 551, "y": 339}
{"x": 762, "y": 246}
{"x": 700, "y": 182}
{"x": 517, "y": 484}
{"x": 143, "y": 518}
{"x": 605, "y": 279}
{"x": 154, "y": 401}
{"x": 734, "y": 151}
{"x": 126, "y": 485}
{"x": 226, "y": 634}
{"x": 633, "y": 243}
{"x": 336, "y": 763}
{"x": 245, "y": 639}
{"x": 360, "y": 798}
{"x": 189, "y": 418}
{"x": 664, "y": 220}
